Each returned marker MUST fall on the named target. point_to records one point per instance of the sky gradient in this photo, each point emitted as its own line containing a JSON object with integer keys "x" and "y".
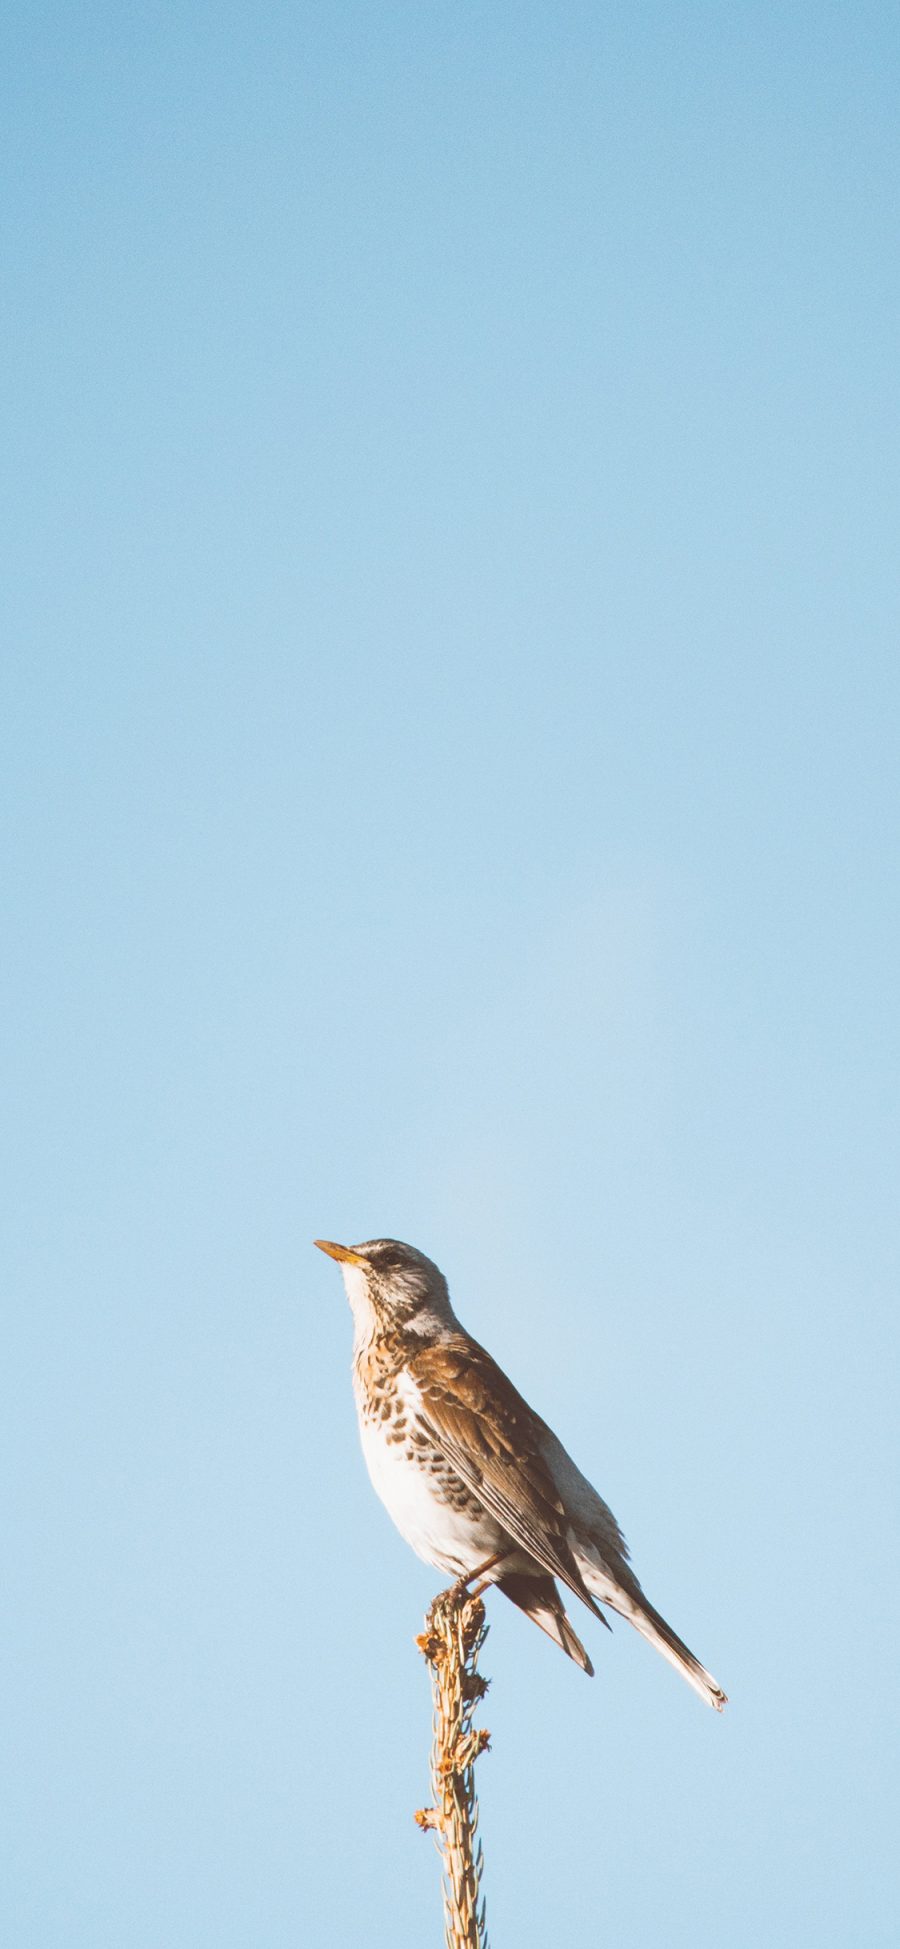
{"x": 449, "y": 718}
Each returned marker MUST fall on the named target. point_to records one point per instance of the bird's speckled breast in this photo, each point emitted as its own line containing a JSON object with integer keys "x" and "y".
{"x": 431, "y": 1505}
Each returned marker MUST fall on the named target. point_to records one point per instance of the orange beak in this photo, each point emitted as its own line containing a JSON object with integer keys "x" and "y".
{"x": 339, "y": 1252}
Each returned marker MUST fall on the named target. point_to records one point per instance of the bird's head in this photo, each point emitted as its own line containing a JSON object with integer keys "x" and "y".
{"x": 391, "y": 1284}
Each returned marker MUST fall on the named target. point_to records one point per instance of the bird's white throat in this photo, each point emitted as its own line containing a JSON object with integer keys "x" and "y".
{"x": 356, "y": 1287}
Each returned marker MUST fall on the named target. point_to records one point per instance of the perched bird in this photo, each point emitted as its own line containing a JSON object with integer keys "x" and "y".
{"x": 475, "y": 1481}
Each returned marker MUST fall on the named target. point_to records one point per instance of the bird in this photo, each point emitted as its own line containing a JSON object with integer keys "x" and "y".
{"x": 475, "y": 1481}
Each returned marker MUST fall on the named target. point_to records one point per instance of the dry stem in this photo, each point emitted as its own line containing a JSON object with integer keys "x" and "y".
{"x": 455, "y": 1631}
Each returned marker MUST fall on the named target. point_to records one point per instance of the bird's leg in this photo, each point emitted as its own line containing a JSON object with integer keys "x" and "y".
{"x": 460, "y": 1589}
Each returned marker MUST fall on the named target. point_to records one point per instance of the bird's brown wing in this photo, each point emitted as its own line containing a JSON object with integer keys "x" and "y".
{"x": 493, "y": 1439}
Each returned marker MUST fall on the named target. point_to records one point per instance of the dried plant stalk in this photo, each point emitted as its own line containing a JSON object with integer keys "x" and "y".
{"x": 455, "y": 1630}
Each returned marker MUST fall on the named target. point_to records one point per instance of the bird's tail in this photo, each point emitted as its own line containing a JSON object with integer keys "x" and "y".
{"x": 660, "y": 1634}
{"x": 634, "y": 1606}
{"x": 539, "y": 1598}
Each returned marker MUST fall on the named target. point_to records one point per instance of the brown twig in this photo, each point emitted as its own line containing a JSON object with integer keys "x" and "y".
{"x": 455, "y": 1631}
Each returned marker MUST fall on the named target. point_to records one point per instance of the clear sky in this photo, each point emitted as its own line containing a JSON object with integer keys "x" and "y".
{"x": 450, "y": 789}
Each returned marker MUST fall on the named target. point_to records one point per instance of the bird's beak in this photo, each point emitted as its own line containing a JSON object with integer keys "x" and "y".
{"x": 341, "y": 1252}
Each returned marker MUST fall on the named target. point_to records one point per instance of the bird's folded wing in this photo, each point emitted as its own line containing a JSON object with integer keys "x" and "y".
{"x": 493, "y": 1440}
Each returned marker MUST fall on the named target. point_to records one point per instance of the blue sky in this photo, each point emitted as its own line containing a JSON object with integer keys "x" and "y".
{"x": 449, "y": 790}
